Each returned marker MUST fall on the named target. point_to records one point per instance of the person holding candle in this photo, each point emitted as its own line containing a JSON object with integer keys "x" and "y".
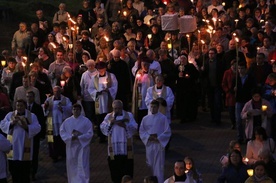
{"x": 7, "y": 73}
{"x": 161, "y": 93}
{"x": 179, "y": 175}
{"x": 257, "y": 112}
{"x": 186, "y": 90}
{"x": 235, "y": 171}
{"x": 233, "y": 145}
{"x": 128, "y": 11}
{"x": 103, "y": 90}
{"x": 259, "y": 140}
{"x": 192, "y": 173}
{"x": 143, "y": 80}
{"x": 56, "y": 108}
{"x": 259, "y": 174}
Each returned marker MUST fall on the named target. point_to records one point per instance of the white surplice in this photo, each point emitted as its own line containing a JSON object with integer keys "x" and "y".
{"x": 155, "y": 151}
{"x": 119, "y": 135}
{"x": 77, "y": 151}
{"x": 19, "y": 134}
{"x": 58, "y": 116}
{"x": 169, "y": 99}
{"x": 86, "y": 79}
{"x": 103, "y": 97}
{"x": 5, "y": 147}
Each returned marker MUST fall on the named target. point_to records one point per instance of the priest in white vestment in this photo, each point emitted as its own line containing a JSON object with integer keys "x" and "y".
{"x": 119, "y": 126}
{"x": 179, "y": 175}
{"x": 57, "y": 108}
{"x": 155, "y": 133}
{"x": 77, "y": 132}
{"x": 161, "y": 93}
{"x": 5, "y": 147}
{"x": 103, "y": 89}
{"x": 21, "y": 126}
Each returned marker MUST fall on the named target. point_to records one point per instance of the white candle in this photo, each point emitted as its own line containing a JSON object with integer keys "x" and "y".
{"x": 149, "y": 36}
{"x": 62, "y": 83}
{"x": 3, "y": 62}
{"x": 125, "y": 13}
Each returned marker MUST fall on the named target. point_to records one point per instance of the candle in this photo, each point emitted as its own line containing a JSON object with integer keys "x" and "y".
{"x": 24, "y": 58}
{"x": 106, "y": 38}
{"x": 189, "y": 41}
{"x": 62, "y": 83}
{"x": 202, "y": 45}
{"x": 78, "y": 30}
{"x": 236, "y": 20}
{"x": 104, "y": 84}
{"x": 250, "y": 172}
{"x": 215, "y": 22}
{"x": 70, "y": 46}
{"x": 223, "y": 3}
{"x": 23, "y": 64}
{"x": 90, "y": 30}
{"x": 125, "y": 13}
{"x": 3, "y": 62}
{"x": 198, "y": 37}
{"x": 169, "y": 46}
{"x": 165, "y": 3}
{"x": 246, "y": 160}
{"x": 72, "y": 21}
{"x": 264, "y": 107}
{"x": 149, "y": 36}
{"x": 53, "y": 45}
{"x": 258, "y": 49}
{"x": 186, "y": 75}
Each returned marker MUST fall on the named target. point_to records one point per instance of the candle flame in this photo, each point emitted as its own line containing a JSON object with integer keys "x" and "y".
{"x": 202, "y": 42}
{"x": 72, "y": 21}
{"x": 53, "y": 45}
{"x": 3, "y": 62}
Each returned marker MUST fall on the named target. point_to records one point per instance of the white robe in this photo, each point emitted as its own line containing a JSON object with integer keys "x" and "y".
{"x": 77, "y": 151}
{"x": 154, "y": 66}
{"x": 155, "y": 151}
{"x": 5, "y": 147}
{"x": 119, "y": 135}
{"x": 103, "y": 98}
{"x": 172, "y": 180}
{"x": 169, "y": 99}
{"x": 58, "y": 116}
{"x": 19, "y": 134}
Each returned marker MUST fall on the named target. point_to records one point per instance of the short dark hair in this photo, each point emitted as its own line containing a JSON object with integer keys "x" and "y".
{"x": 22, "y": 101}
{"x": 155, "y": 102}
{"x": 77, "y": 106}
{"x": 260, "y": 131}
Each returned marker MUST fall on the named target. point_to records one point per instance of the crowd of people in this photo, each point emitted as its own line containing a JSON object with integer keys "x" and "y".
{"x": 115, "y": 66}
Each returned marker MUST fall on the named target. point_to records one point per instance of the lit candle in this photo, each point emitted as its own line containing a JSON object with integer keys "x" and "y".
{"x": 165, "y": 3}
{"x": 3, "y": 63}
{"x": 223, "y": 3}
{"x": 78, "y": 30}
{"x": 202, "y": 45}
{"x": 198, "y": 37}
{"x": 106, "y": 38}
{"x": 90, "y": 30}
{"x": 62, "y": 83}
{"x": 23, "y": 64}
{"x": 70, "y": 46}
{"x": 272, "y": 61}
{"x": 186, "y": 75}
{"x": 169, "y": 46}
{"x": 104, "y": 84}
{"x": 189, "y": 41}
{"x": 125, "y": 13}
{"x": 53, "y": 45}
{"x": 258, "y": 49}
{"x": 261, "y": 20}
{"x": 264, "y": 107}
{"x": 215, "y": 22}
{"x": 24, "y": 58}
{"x": 207, "y": 21}
{"x": 246, "y": 160}
{"x": 149, "y": 36}
{"x": 64, "y": 38}
{"x": 236, "y": 20}
{"x": 250, "y": 172}
{"x": 72, "y": 21}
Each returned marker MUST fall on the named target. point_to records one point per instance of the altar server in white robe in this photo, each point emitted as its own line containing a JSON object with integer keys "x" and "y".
{"x": 5, "y": 147}
{"x": 21, "y": 126}
{"x": 76, "y": 131}
{"x": 57, "y": 108}
{"x": 155, "y": 133}
{"x": 103, "y": 89}
{"x": 161, "y": 93}
{"x": 119, "y": 126}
